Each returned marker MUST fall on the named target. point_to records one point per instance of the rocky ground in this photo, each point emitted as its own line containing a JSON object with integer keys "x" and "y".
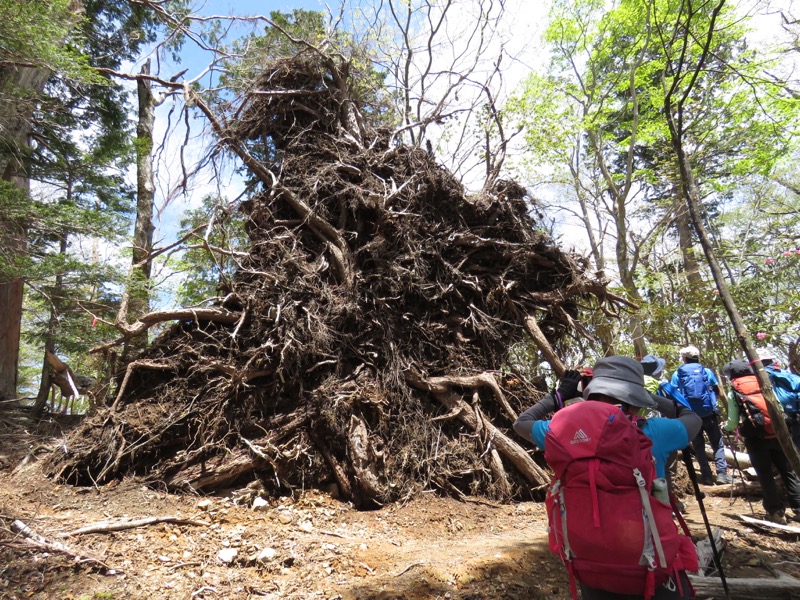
{"x": 236, "y": 546}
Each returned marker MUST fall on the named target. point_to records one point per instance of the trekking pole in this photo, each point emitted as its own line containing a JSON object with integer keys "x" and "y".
{"x": 741, "y": 473}
{"x": 687, "y": 460}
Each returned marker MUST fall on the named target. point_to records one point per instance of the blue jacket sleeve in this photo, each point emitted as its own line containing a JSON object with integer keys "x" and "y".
{"x": 540, "y": 432}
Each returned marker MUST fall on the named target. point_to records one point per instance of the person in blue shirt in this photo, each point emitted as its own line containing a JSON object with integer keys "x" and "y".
{"x": 700, "y": 387}
{"x": 786, "y": 386}
{"x": 667, "y": 434}
{"x": 619, "y": 380}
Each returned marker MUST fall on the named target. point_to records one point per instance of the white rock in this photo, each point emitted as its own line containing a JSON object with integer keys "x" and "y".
{"x": 259, "y": 504}
{"x": 227, "y": 555}
{"x": 307, "y": 526}
{"x": 266, "y": 554}
{"x": 205, "y": 504}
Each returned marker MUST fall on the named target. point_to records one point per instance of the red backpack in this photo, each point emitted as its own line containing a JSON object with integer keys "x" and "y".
{"x": 756, "y": 421}
{"x": 604, "y": 525}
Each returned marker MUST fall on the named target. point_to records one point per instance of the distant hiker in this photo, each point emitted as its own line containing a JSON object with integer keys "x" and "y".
{"x": 653, "y": 368}
{"x": 700, "y": 388}
{"x": 608, "y": 521}
{"x": 654, "y": 382}
{"x": 747, "y": 410}
{"x": 786, "y": 386}
{"x": 569, "y": 389}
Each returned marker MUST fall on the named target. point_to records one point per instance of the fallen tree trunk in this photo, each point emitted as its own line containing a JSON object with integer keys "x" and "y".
{"x": 783, "y": 587}
{"x": 474, "y": 418}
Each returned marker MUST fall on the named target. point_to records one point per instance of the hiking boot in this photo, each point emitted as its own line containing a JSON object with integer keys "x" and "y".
{"x": 723, "y": 479}
{"x": 777, "y": 517}
{"x": 796, "y": 515}
{"x": 707, "y": 479}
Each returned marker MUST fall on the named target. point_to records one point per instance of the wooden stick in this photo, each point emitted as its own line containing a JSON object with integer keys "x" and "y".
{"x": 43, "y": 543}
{"x": 783, "y": 586}
{"x": 533, "y": 329}
{"x": 105, "y": 526}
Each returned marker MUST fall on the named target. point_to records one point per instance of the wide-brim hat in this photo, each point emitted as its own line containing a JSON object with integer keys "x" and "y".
{"x": 622, "y": 378}
{"x": 652, "y": 365}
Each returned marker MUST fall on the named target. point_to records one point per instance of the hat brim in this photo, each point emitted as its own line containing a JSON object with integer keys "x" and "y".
{"x": 654, "y": 367}
{"x": 624, "y": 391}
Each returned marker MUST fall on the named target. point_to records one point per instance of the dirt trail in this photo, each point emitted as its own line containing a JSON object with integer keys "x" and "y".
{"x": 311, "y": 546}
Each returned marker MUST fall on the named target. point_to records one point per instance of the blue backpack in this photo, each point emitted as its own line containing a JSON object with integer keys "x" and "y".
{"x": 694, "y": 385}
{"x": 667, "y": 390}
{"x": 787, "y": 388}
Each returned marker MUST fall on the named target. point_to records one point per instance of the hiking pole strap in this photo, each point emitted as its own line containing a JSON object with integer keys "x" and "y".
{"x": 687, "y": 461}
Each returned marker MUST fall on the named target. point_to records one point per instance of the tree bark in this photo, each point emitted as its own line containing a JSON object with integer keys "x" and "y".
{"x": 747, "y": 589}
{"x": 20, "y": 88}
{"x": 137, "y": 295}
{"x": 12, "y": 238}
{"x": 691, "y": 268}
{"x": 50, "y": 341}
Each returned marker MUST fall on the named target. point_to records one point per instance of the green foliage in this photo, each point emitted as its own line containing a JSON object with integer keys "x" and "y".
{"x": 210, "y": 261}
{"x": 33, "y": 34}
{"x": 598, "y": 115}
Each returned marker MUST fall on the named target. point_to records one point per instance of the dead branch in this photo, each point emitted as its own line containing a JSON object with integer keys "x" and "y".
{"x": 213, "y": 315}
{"x": 107, "y": 527}
{"x": 532, "y": 327}
{"x": 43, "y": 543}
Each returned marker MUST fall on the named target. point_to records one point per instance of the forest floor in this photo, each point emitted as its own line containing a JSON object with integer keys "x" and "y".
{"x": 309, "y": 546}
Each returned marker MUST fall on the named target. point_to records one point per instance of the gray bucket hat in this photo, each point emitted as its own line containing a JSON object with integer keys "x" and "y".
{"x": 652, "y": 365}
{"x": 621, "y": 378}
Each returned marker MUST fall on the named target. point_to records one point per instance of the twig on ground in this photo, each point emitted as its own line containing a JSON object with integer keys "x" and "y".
{"x": 43, "y": 543}
{"x": 106, "y": 527}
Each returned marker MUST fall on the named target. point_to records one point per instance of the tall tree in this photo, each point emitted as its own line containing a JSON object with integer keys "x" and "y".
{"x": 31, "y": 48}
{"x": 689, "y": 42}
{"x": 607, "y": 71}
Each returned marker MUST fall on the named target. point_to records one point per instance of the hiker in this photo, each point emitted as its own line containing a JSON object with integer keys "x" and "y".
{"x": 700, "y": 388}
{"x": 786, "y": 386}
{"x": 569, "y": 389}
{"x": 747, "y": 411}
{"x": 653, "y": 368}
{"x": 607, "y": 461}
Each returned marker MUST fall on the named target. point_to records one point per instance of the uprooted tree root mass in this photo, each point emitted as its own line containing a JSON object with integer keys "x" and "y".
{"x": 363, "y": 340}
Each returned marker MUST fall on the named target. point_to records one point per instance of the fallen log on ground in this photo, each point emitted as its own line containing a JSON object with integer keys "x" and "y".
{"x": 784, "y": 587}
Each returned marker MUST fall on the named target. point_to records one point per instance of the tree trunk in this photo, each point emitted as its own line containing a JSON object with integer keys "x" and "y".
{"x": 12, "y": 237}
{"x": 137, "y": 296}
{"x": 50, "y": 340}
{"x": 693, "y": 204}
{"x": 15, "y": 116}
{"x": 690, "y": 265}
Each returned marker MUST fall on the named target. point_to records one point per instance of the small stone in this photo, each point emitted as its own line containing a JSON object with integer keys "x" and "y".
{"x": 266, "y": 554}
{"x": 205, "y": 504}
{"x": 285, "y": 518}
{"x": 307, "y": 526}
{"x": 227, "y": 555}
{"x": 260, "y": 505}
